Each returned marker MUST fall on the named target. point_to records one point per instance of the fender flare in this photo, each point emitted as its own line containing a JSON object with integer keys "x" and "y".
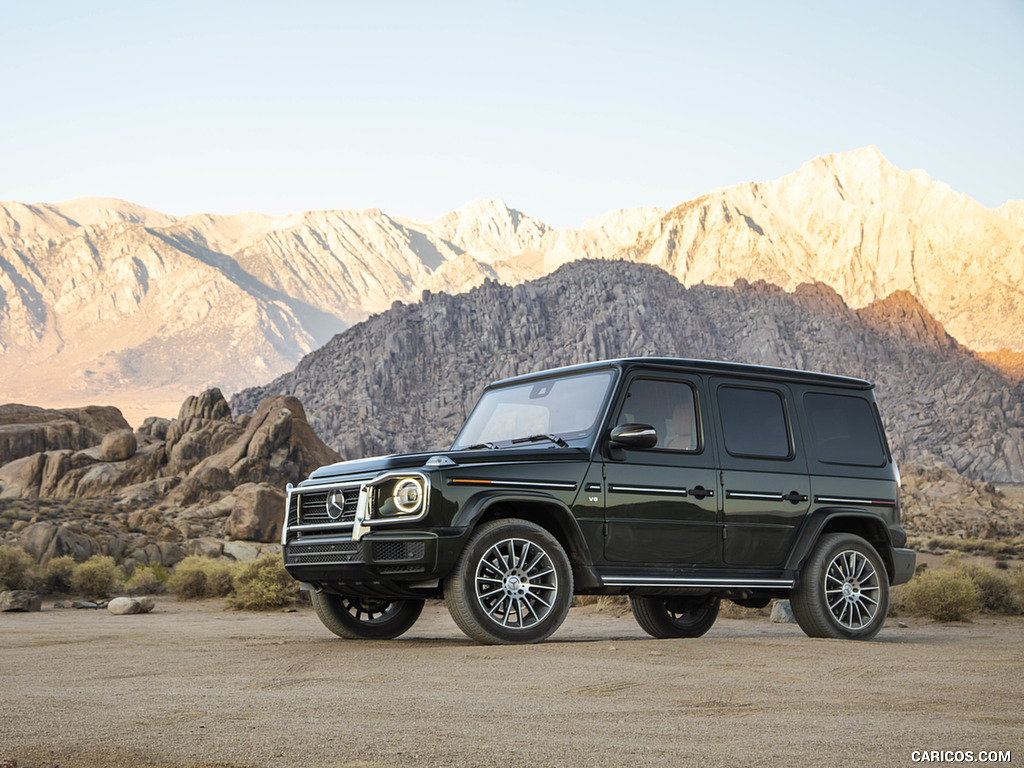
{"x": 565, "y": 528}
{"x": 816, "y": 522}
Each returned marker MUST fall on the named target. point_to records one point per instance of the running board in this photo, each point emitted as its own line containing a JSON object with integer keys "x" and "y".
{"x": 665, "y": 581}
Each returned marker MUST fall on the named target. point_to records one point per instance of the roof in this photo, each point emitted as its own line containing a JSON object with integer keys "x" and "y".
{"x": 703, "y": 366}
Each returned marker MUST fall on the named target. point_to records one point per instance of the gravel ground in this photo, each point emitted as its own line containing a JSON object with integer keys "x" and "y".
{"x": 192, "y": 685}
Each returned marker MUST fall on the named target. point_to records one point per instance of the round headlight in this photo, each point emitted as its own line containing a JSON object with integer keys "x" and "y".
{"x": 408, "y": 495}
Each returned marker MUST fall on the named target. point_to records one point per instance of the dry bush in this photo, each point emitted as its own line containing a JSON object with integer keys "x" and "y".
{"x": 947, "y": 595}
{"x": 197, "y": 577}
{"x": 994, "y": 592}
{"x": 55, "y": 576}
{"x": 95, "y": 577}
{"x": 1017, "y": 585}
{"x": 262, "y": 584}
{"x": 147, "y": 580}
{"x": 15, "y": 568}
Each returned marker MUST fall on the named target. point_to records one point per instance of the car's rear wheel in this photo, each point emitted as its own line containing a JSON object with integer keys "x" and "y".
{"x": 512, "y": 584}
{"x": 365, "y": 618}
{"x": 663, "y": 617}
{"x": 843, "y": 591}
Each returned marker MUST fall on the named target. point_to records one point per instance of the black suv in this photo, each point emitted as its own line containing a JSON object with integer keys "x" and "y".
{"x": 675, "y": 482}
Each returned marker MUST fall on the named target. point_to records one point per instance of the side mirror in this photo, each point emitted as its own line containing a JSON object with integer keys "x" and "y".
{"x": 634, "y": 436}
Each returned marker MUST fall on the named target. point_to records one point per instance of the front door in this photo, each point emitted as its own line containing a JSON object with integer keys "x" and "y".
{"x": 661, "y": 504}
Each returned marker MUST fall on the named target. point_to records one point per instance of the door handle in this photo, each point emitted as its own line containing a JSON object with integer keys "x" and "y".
{"x": 700, "y": 492}
{"x": 794, "y": 498}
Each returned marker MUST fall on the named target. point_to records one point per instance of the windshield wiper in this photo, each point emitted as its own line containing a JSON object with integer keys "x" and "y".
{"x": 537, "y": 438}
{"x": 478, "y": 446}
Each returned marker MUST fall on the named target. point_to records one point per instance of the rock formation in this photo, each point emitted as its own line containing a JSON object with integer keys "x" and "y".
{"x": 168, "y": 489}
{"x": 405, "y": 380}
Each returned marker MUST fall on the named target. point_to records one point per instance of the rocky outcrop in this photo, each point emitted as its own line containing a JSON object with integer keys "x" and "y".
{"x": 405, "y": 380}
{"x": 210, "y": 478}
{"x": 26, "y": 429}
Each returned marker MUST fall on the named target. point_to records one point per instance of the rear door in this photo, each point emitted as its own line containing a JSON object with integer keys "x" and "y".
{"x": 661, "y": 506}
{"x": 764, "y": 483}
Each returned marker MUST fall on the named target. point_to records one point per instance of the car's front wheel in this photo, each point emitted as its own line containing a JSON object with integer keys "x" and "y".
{"x": 843, "y": 591}
{"x": 512, "y": 584}
{"x": 365, "y": 618}
{"x": 675, "y": 616}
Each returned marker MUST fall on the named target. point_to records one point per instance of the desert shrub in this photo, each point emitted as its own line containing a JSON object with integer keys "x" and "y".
{"x": 95, "y": 577}
{"x": 15, "y": 568}
{"x": 262, "y": 584}
{"x": 1017, "y": 585}
{"x": 946, "y": 595}
{"x": 994, "y": 592}
{"x": 55, "y": 576}
{"x": 147, "y": 580}
{"x": 988, "y": 546}
{"x": 197, "y": 577}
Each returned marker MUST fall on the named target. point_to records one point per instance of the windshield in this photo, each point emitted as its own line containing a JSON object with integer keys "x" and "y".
{"x": 567, "y": 407}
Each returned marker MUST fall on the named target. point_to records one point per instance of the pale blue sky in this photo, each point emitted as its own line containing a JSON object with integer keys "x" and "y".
{"x": 564, "y": 110}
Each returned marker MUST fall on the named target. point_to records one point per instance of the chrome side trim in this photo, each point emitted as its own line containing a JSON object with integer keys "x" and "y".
{"x": 567, "y": 486}
{"x": 753, "y": 496}
{"x": 854, "y": 500}
{"x": 647, "y": 489}
{"x": 658, "y": 581}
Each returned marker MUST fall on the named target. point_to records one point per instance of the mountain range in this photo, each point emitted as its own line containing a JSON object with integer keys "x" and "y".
{"x": 103, "y": 301}
{"x": 404, "y": 380}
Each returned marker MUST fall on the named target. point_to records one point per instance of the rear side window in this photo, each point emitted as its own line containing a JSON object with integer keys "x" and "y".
{"x": 754, "y": 422}
{"x": 843, "y": 430}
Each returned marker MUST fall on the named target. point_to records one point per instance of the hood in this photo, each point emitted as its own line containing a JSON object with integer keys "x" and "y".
{"x": 376, "y": 464}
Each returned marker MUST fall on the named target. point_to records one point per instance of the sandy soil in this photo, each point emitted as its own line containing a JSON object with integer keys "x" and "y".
{"x": 192, "y": 685}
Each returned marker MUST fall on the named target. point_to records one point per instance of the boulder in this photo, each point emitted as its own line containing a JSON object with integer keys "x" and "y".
{"x": 20, "y": 601}
{"x": 20, "y": 479}
{"x": 127, "y": 606}
{"x": 119, "y": 446}
{"x": 45, "y": 541}
{"x": 782, "y": 613}
{"x": 257, "y": 515}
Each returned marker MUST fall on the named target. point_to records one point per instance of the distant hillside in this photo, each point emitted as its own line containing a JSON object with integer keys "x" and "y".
{"x": 405, "y": 379}
{"x": 105, "y": 301}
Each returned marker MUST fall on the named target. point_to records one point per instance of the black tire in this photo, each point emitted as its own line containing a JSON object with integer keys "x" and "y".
{"x": 843, "y": 591}
{"x": 366, "y": 618}
{"x": 675, "y": 616}
{"x": 511, "y": 584}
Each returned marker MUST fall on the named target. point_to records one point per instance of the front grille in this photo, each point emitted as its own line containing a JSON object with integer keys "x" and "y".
{"x": 299, "y": 552}
{"x": 398, "y": 550}
{"x": 313, "y": 506}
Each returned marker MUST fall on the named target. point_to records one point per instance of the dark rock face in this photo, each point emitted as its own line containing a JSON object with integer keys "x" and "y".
{"x": 405, "y": 380}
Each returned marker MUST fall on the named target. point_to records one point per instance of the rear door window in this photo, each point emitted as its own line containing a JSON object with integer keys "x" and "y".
{"x": 754, "y": 423}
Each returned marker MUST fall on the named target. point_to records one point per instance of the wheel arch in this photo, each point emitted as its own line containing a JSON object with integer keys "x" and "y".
{"x": 547, "y": 512}
{"x": 869, "y": 527}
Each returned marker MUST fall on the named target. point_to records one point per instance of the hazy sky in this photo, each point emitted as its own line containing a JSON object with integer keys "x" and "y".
{"x": 564, "y": 110}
